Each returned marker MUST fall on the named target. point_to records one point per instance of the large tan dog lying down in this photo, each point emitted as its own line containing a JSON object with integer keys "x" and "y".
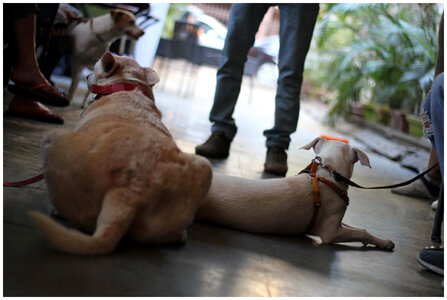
{"x": 120, "y": 172}
{"x": 286, "y": 206}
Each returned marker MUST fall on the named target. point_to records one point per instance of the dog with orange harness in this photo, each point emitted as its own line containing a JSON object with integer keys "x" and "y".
{"x": 311, "y": 202}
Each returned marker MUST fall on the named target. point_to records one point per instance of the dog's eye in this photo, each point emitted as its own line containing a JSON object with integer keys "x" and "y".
{"x": 132, "y": 22}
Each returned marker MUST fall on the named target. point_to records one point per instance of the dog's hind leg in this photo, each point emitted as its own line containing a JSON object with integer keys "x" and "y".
{"x": 117, "y": 213}
{"x": 149, "y": 233}
{"x": 349, "y": 226}
{"x": 345, "y": 233}
{"x": 176, "y": 238}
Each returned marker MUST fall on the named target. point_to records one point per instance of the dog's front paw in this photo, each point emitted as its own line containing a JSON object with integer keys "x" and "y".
{"x": 386, "y": 244}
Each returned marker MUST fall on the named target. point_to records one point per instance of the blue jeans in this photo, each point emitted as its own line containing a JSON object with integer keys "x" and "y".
{"x": 433, "y": 118}
{"x": 297, "y": 22}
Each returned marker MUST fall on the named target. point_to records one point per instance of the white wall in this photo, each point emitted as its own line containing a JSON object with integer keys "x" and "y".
{"x": 147, "y": 45}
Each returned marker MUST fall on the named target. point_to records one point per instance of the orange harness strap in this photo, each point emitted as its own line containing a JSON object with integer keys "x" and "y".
{"x": 317, "y": 204}
{"x": 316, "y": 191}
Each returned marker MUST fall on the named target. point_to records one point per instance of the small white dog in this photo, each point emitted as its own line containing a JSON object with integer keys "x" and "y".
{"x": 93, "y": 38}
{"x": 287, "y": 205}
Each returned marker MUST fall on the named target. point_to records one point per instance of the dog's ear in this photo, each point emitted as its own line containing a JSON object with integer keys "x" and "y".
{"x": 151, "y": 76}
{"x": 116, "y": 13}
{"x": 312, "y": 144}
{"x": 361, "y": 156}
{"x": 108, "y": 62}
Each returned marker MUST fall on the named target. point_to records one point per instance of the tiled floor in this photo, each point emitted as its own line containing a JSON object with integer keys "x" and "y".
{"x": 217, "y": 261}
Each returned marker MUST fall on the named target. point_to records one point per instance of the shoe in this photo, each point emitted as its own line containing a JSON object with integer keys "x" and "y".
{"x": 276, "y": 161}
{"x": 33, "y": 110}
{"x": 38, "y": 93}
{"x": 217, "y": 146}
{"x": 421, "y": 188}
{"x": 434, "y": 205}
{"x": 432, "y": 259}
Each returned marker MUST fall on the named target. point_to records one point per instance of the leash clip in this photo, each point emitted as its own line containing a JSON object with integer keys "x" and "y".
{"x": 317, "y": 160}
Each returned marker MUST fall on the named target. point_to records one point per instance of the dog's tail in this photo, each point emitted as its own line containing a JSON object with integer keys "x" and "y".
{"x": 71, "y": 240}
{"x": 113, "y": 222}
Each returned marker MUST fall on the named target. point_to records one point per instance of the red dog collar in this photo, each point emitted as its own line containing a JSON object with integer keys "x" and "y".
{"x": 103, "y": 90}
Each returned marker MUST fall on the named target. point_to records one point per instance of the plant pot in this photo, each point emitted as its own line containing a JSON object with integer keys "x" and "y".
{"x": 369, "y": 112}
{"x": 415, "y": 126}
{"x": 357, "y": 110}
{"x": 398, "y": 121}
{"x": 383, "y": 115}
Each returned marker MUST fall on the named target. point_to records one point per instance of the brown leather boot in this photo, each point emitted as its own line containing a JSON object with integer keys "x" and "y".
{"x": 276, "y": 161}
{"x": 217, "y": 146}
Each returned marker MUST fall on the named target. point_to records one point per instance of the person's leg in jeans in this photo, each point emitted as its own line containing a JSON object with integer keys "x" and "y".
{"x": 243, "y": 24}
{"x": 433, "y": 118}
{"x": 433, "y": 121}
{"x": 297, "y": 22}
{"x": 429, "y": 186}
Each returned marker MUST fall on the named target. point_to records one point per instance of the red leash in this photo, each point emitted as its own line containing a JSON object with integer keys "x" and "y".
{"x": 24, "y": 182}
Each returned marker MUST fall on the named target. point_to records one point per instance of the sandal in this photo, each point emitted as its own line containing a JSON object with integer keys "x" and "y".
{"x": 29, "y": 109}
{"x": 36, "y": 93}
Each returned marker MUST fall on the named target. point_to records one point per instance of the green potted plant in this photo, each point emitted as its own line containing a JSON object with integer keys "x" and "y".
{"x": 414, "y": 125}
{"x": 383, "y": 115}
{"x": 369, "y": 112}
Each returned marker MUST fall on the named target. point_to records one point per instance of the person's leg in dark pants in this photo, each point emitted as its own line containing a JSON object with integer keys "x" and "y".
{"x": 243, "y": 24}
{"x": 297, "y": 22}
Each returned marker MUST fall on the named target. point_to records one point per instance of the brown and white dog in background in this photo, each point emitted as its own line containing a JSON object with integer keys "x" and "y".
{"x": 93, "y": 38}
{"x": 120, "y": 172}
{"x": 286, "y": 205}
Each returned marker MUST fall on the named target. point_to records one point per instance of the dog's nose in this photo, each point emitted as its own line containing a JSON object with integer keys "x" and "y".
{"x": 87, "y": 76}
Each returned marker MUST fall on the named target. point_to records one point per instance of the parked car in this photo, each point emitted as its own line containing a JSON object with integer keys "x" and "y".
{"x": 265, "y": 53}
{"x": 212, "y": 32}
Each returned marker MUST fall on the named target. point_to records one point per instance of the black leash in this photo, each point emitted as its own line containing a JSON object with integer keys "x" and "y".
{"x": 345, "y": 180}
